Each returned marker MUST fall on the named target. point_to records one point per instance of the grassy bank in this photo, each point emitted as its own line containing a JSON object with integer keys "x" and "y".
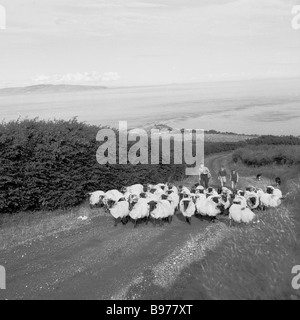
{"x": 23, "y": 228}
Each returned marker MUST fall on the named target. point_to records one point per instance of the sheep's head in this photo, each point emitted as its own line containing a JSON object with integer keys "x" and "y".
{"x": 143, "y": 195}
{"x": 164, "y": 197}
{"x": 186, "y": 203}
{"x": 216, "y": 200}
{"x": 224, "y": 197}
{"x": 152, "y": 205}
{"x": 124, "y": 189}
{"x": 110, "y": 203}
{"x": 251, "y": 201}
{"x": 241, "y": 193}
{"x": 270, "y": 190}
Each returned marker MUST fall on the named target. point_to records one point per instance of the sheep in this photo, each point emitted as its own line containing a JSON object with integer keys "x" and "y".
{"x": 213, "y": 207}
{"x": 278, "y": 181}
{"x": 274, "y": 191}
{"x": 161, "y": 186}
{"x": 174, "y": 199}
{"x": 241, "y": 193}
{"x": 225, "y": 203}
{"x": 172, "y": 188}
{"x": 201, "y": 204}
{"x": 184, "y": 190}
{"x": 269, "y": 201}
{"x": 135, "y": 189}
{"x": 211, "y": 192}
{"x": 139, "y": 209}
{"x": 119, "y": 210}
{"x": 173, "y": 205}
{"x": 239, "y": 213}
{"x": 96, "y": 198}
{"x": 252, "y": 199}
{"x": 114, "y": 195}
{"x": 187, "y": 208}
{"x": 241, "y": 200}
{"x": 160, "y": 209}
{"x": 199, "y": 189}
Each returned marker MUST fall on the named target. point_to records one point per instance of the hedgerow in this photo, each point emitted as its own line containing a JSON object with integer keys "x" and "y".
{"x": 46, "y": 165}
{"x": 267, "y": 155}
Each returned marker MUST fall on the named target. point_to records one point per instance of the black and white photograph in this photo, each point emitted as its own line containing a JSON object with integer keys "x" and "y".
{"x": 150, "y": 152}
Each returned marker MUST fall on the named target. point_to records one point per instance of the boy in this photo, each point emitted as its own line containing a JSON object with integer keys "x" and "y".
{"x": 234, "y": 177}
{"x": 204, "y": 176}
{"x": 222, "y": 175}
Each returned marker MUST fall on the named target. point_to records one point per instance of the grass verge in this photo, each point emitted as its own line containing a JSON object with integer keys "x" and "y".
{"x": 254, "y": 263}
{"x": 23, "y": 228}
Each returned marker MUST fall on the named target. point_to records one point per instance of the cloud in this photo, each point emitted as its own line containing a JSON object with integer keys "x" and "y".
{"x": 77, "y": 78}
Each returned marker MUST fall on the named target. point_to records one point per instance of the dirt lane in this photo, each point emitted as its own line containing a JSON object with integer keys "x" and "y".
{"x": 99, "y": 261}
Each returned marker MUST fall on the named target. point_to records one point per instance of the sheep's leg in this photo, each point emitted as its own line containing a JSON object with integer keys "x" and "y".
{"x": 115, "y": 222}
{"x": 147, "y": 220}
{"x": 135, "y": 223}
{"x": 161, "y": 222}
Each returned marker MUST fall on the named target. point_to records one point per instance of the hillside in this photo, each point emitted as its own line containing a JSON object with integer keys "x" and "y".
{"x": 48, "y": 88}
{"x": 210, "y": 135}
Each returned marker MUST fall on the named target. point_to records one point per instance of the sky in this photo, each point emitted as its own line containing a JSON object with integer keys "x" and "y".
{"x": 146, "y": 42}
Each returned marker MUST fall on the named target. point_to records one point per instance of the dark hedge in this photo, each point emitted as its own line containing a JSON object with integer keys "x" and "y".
{"x": 46, "y": 165}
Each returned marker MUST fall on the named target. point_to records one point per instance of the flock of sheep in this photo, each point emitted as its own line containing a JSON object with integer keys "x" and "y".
{"x": 160, "y": 202}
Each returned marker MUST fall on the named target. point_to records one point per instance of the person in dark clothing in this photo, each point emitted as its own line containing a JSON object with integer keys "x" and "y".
{"x": 222, "y": 176}
{"x": 234, "y": 177}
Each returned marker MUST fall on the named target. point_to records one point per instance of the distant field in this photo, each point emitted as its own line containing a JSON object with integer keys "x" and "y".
{"x": 226, "y": 137}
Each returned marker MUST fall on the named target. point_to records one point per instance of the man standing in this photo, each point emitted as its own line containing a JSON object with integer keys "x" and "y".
{"x": 222, "y": 176}
{"x": 204, "y": 175}
{"x": 234, "y": 177}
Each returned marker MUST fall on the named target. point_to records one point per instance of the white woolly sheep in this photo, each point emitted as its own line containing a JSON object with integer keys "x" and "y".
{"x": 96, "y": 197}
{"x": 187, "y": 208}
{"x": 119, "y": 210}
{"x": 213, "y": 206}
{"x": 160, "y": 210}
{"x": 139, "y": 210}
{"x": 238, "y": 213}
